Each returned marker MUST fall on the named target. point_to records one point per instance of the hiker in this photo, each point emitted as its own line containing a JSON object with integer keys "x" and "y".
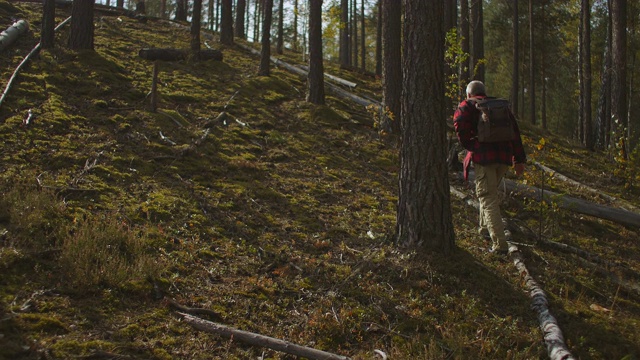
{"x": 491, "y": 159}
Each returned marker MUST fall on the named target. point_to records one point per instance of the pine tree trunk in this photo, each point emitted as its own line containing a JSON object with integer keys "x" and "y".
{"x": 464, "y": 76}
{"x": 295, "y": 25}
{"x": 424, "y": 212}
{"x": 515, "y": 77}
{"x": 239, "y": 28}
{"x": 379, "y": 40}
{"x": 226, "y": 23}
{"x": 344, "y": 34}
{"x": 315, "y": 79}
{"x": 280, "y": 43}
{"x": 81, "y": 33}
{"x": 392, "y": 71}
{"x": 619, "y": 76}
{"x": 532, "y": 66}
{"x": 586, "y": 43}
{"x": 363, "y": 37}
{"x": 47, "y": 36}
{"x": 265, "y": 54}
{"x": 195, "y": 25}
{"x": 477, "y": 51}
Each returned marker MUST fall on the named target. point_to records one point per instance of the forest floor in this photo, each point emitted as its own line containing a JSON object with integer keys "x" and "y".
{"x": 279, "y": 219}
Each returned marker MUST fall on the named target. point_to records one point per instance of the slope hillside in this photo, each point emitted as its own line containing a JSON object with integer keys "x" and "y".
{"x": 275, "y": 219}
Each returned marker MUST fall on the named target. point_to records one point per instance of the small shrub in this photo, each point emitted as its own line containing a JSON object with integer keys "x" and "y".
{"x": 106, "y": 252}
{"x": 34, "y": 217}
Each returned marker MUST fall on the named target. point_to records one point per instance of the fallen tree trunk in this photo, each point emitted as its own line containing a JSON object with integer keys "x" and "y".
{"x": 12, "y": 33}
{"x": 35, "y": 50}
{"x": 178, "y": 54}
{"x": 259, "y": 340}
{"x": 334, "y": 78}
{"x": 580, "y": 206}
{"x": 553, "y": 338}
{"x": 336, "y": 90}
{"x": 566, "y": 179}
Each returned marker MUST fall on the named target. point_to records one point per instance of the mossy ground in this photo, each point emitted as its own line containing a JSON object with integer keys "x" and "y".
{"x": 279, "y": 219}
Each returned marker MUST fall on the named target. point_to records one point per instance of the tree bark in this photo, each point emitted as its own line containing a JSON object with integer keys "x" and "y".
{"x": 315, "y": 79}
{"x": 392, "y": 70}
{"x": 619, "y": 75}
{"x": 532, "y": 66}
{"x": 379, "y": 40}
{"x": 295, "y": 25}
{"x": 226, "y": 23}
{"x": 181, "y": 10}
{"x": 239, "y": 28}
{"x": 363, "y": 38}
{"x": 344, "y": 33}
{"x": 477, "y": 36}
{"x": 424, "y": 212}
{"x": 586, "y": 43}
{"x": 515, "y": 66}
{"x": 47, "y": 36}
{"x": 266, "y": 38}
{"x": 280, "y": 42}
{"x": 195, "y": 25}
{"x": 81, "y": 33}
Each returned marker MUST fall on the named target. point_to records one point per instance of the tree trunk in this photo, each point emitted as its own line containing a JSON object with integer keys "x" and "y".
{"x": 181, "y": 10}
{"x": 477, "y": 51}
{"x": 586, "y": 43}
{"x": 81, "y": 33}
{"x": 354, "y": 34}
{"x": 515, "y": 76}
{"x": 344, "y": 33}
{"x": 363, "y": 37}
{"x": 532, "y": 67}
{"x": 226, "y": 23}
{"x": 239, "y": 28}
{"x": 266, "y": 38}
{"x": 120, "y": 3}
{"x": 543, "y": 95}
{"x": 195, "y": 25}
{"x": 619, "y": 88}
{"x": 47, "y": 36}
{"x": 379, "y": 40}
{"x": 295, "y": 25}
{"x": 280, "y": 43}
{"x": 424, "y": 212}
{"x": 392, "y": 71}
{"x": 315, "y": 94}
{"x": 466, "y": 49}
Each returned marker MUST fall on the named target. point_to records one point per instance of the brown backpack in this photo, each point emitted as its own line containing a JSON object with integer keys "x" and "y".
{"x": 496, "y": 121}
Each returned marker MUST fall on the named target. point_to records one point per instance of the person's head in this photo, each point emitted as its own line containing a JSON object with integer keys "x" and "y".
{"x": 476, "y": 88}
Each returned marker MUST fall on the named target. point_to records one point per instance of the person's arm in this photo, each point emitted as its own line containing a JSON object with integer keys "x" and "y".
{"x": 463, "y": 124}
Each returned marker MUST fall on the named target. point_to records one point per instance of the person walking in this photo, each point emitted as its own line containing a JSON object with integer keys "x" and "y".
{"x": 491, "y": 161}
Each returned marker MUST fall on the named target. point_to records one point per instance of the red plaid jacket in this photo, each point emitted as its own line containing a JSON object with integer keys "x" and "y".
{"x": 465, "y": 121}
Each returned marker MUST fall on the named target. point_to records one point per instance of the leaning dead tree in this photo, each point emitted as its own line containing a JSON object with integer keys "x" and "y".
{"x": 259, "y": 340}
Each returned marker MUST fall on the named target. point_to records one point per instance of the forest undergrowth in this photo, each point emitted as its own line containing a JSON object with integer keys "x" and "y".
{"x": 279, "y": 219}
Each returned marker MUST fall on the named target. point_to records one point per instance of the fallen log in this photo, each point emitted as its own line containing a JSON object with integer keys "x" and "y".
{"x": 334, "y": 78}
{"x": 335, "y": 89}
{"x": 154, "y": 54}
{"x": 553, "y": 338}
{"x": 259, "y": 340}
{"x": 580, "y": 185}
{"x": 580, "y": 206}
{"x": 33, "y": 52}
{"x": 12, "y": 33}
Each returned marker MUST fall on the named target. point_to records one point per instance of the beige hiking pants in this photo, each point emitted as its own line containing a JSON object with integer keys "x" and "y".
{"x": 487, "y": 179}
